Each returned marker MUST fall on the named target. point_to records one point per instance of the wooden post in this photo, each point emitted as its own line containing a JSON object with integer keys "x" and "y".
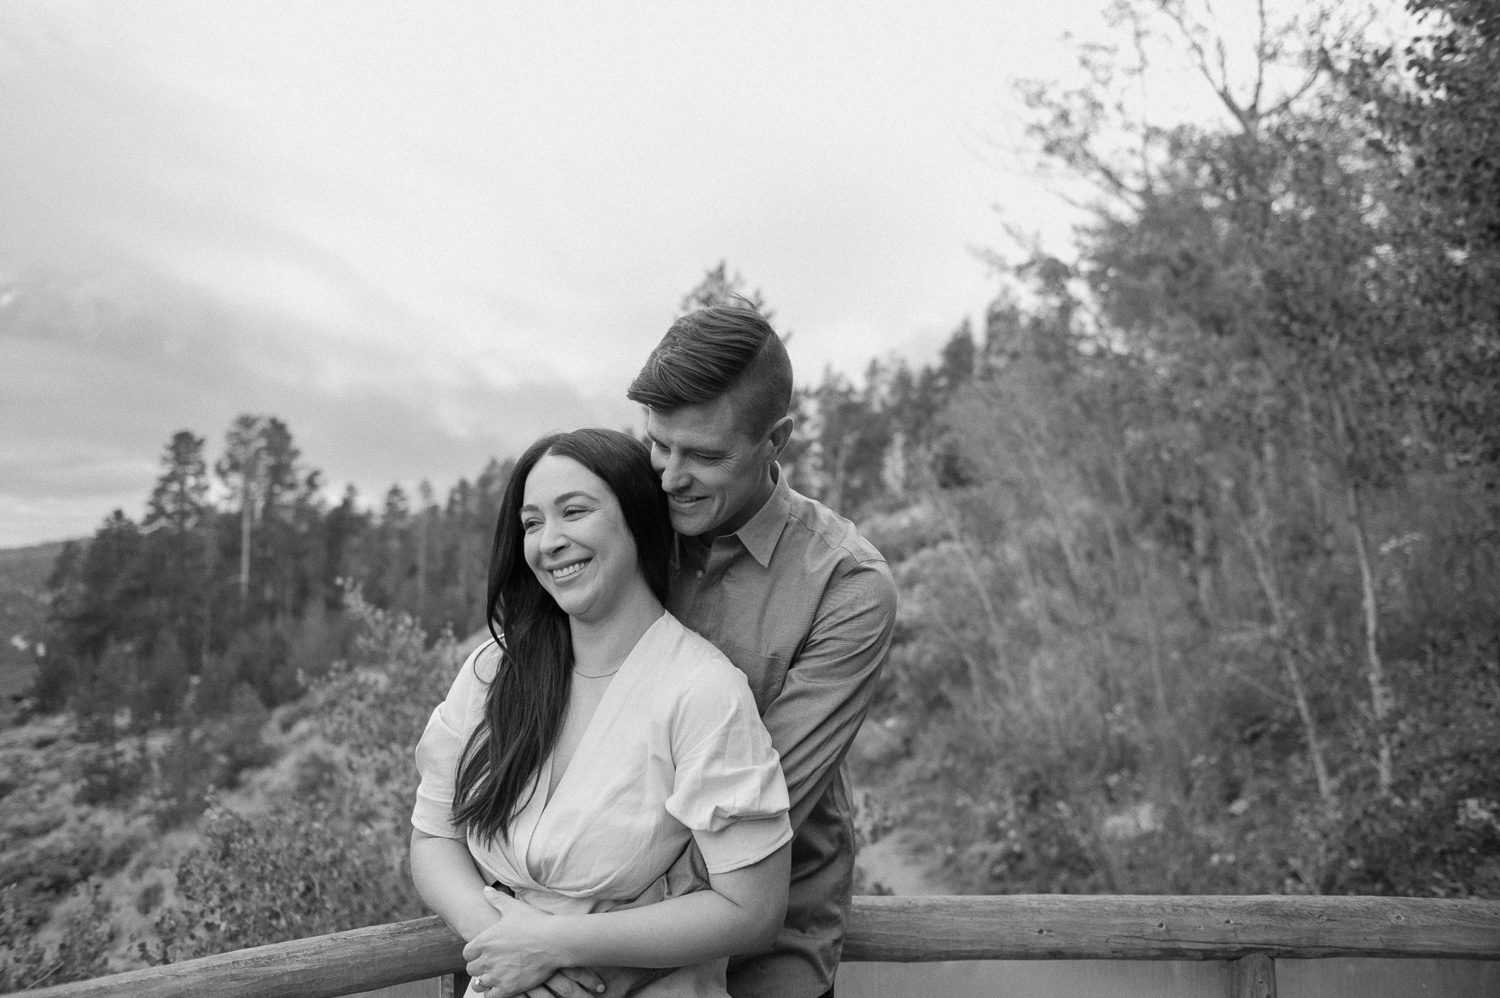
{"x": 453, "y": 985}
{"x": 1252, "y": 976}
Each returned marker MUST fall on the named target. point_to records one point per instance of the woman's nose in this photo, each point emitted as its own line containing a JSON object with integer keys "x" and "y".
{"x": 553, "y": 539}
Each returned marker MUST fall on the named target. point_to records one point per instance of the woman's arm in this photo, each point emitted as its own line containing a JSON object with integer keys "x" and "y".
{"x": 740, "y": 912}
{"x": 450, "y": 884}
{"x": 446, "y": 878}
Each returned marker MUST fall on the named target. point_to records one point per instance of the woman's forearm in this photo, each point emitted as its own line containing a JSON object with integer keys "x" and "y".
{"x": 450, "y": 884}
{"x": 673, "y": 933}
{"x": 741, "y": 913}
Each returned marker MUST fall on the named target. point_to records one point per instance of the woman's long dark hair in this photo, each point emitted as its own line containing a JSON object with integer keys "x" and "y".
{"x": 524, "y": 708}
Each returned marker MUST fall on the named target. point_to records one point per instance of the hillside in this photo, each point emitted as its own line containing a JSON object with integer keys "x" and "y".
{"x": 23, "y": 612}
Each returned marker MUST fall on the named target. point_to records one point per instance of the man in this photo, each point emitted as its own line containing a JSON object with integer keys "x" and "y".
{"x": 786, "y": 588}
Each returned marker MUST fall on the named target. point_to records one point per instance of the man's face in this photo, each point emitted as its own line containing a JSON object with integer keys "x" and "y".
{"x": 713, "y": 472}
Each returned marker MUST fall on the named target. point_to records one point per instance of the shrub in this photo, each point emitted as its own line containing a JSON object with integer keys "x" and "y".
{"x": 81, "y": 951}
{"x": 330, "y": 853}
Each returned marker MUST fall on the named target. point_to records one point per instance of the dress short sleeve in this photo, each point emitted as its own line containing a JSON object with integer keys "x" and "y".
{"x": 728, "y": 789}
{"x": 443, "y": 742}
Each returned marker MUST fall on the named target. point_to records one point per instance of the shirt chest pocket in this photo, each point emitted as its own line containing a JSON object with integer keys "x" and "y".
{"x": 766, "y": 673}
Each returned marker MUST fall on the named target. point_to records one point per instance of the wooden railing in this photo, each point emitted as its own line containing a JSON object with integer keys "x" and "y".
{"x": 1251, "y": 932}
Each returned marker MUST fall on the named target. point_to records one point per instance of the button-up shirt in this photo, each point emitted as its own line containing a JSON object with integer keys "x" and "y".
{"x": 805, "y": 608}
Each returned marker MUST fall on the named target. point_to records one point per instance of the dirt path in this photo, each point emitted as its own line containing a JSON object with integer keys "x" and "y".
{"x": 897, "y": 863}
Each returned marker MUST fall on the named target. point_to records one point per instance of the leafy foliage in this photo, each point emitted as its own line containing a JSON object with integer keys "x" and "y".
{"x": 1211, "y": 555}
{"x": 329, "y": 853}
{"x": 80, "y": 952}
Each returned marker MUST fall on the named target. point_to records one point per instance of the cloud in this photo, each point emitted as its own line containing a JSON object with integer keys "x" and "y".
{"x": 112, "y": 369}
{"x": 424, "y": 235}
{"x": 157, "y": 274}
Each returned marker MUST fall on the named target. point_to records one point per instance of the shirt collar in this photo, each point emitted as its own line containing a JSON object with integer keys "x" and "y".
{"x": 761, "y": 532}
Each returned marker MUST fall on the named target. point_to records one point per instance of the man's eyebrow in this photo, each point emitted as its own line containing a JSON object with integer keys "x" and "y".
{"x": 708, "y": 452}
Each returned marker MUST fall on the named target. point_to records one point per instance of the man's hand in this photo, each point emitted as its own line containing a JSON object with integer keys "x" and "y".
{"x": 570, "y": 982}
{"x": 622, "y": 981}
{"x": 584, "y": 982}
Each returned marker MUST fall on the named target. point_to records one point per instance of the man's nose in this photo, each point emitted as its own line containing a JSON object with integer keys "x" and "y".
{"x": 673, "y": 478}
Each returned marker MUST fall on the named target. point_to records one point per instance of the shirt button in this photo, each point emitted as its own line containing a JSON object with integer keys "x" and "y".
{"x": 700, "y": 573}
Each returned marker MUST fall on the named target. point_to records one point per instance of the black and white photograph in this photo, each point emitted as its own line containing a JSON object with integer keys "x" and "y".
{"x": 750, "y": 500}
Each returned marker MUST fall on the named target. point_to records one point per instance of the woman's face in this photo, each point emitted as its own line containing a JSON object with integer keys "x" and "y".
{"x": 577, "y": 543}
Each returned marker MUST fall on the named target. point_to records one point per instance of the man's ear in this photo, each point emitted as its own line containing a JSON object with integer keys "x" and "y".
{"x": 780, "y": 435}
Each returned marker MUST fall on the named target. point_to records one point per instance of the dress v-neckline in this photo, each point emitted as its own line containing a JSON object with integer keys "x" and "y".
{"x": 532, "y": 815}
{"x": 599, "y": 700}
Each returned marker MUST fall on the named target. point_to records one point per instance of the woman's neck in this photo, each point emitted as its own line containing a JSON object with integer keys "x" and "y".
{"x": 600, "y": 646}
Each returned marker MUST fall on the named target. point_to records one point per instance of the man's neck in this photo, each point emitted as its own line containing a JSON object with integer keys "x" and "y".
{"x": 753, "y": 505}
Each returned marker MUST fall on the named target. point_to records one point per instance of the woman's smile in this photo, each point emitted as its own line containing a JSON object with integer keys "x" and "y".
{"x": 568, "y": 571}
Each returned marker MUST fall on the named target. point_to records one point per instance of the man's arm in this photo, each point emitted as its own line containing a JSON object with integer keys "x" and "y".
{"x": 829, "y": 684}
{"x": 821, "y": 705}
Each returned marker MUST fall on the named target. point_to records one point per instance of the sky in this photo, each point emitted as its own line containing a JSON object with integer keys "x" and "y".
{"x": 423, "y": 234}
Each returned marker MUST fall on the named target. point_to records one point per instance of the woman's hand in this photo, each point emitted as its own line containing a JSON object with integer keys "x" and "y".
{"x": 516, "y": 956}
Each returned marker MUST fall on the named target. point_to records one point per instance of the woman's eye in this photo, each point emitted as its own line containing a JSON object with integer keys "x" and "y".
{"x": 530, "y": 525}
{"x": 574, "y": 510}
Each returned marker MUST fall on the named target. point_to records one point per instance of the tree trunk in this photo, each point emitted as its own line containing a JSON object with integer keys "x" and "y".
{"x": 1382, "y": 699}
{"x": 247, "y": 514}
{"x": 422, "y": 564}
{"x": 995, "y": 629}
{"x": 1262, "y": 558}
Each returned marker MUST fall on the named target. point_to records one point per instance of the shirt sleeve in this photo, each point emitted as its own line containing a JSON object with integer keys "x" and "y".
{"x": 829, "y": 684}
{"x": 727, "y": 789}
{"x": 442, "y": 744}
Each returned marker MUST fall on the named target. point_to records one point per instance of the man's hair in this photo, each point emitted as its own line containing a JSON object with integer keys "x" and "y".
{"x": 707, "y": 354}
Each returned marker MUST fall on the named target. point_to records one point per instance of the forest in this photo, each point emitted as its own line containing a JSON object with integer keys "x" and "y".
{"x": 1196, "y": 533}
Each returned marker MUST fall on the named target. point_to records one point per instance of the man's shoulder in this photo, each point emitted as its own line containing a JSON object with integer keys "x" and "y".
{"x": 689, "y": 662}
{"x": 814, "y": 523}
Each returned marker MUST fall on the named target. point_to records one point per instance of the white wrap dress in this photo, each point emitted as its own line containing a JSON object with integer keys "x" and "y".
{"x": 675, "y": 751}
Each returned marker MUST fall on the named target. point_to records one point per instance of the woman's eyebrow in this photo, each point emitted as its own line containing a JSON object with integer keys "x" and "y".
{"x": 532, "y": 507}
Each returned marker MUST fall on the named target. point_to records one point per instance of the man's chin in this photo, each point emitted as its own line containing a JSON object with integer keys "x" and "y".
{"x": 685, "y": 526}
{"x": 689, "y": 524}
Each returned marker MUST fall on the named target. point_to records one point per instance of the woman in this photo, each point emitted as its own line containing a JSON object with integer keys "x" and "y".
{"x": 579, "y": 753}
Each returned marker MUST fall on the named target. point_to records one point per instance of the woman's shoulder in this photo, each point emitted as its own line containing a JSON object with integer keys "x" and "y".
{"x": 693, "y": 660}
{"x": 484, "y": 661}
